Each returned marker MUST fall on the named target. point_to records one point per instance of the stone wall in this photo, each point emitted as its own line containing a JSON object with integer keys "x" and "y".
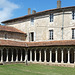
{"x": 12, "y": 36}
{"x": 42, "y": 25}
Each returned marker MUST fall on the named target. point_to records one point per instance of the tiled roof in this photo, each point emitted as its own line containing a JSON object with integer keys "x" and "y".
{"x": 10, "y": 29}
{"x": 37, "y": 44}
{"x": 12, "y": 43}
{"x": 43, "y": 12}
{"x": 52, "y": 43}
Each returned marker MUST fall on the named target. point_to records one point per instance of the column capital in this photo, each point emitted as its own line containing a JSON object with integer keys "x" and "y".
{"x": 50, "y": 49}
{"x": 68, "y": 49}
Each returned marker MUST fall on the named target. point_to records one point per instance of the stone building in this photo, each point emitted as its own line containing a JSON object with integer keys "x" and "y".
{"x": 46, "y": 37}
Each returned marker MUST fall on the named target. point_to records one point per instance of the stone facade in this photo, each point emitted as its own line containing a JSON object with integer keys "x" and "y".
{"x": 42, "y": 25}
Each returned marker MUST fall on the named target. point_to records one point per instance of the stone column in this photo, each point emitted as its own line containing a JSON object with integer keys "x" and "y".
{"x": 21, "y": 56}
{"x": 26, "y": 57}
{"x": 16, "y": 55}
{"x": 68, "y": 56}
{"x": 50, "y": 56}
{"x": 45, "y": 56}
{"x": 30, "y": 55}
{"x": 7, "y": 55}
{"x": 74, "y": 56}
{"x": 62, "y": 61}
{"x": 1, "y": 55}
{"x": 56, "y": 56}
{"x": 40, "y": 56}
{"x": 35, "y": 55}
{"x": 12, "y": 57}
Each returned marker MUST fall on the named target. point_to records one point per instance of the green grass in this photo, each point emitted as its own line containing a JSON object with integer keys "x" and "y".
{"x": 35, "y": 69}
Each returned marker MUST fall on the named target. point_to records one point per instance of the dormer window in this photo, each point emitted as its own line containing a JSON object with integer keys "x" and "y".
{"x": 51, "y": 17}
{"x": 32, "y": 21}
{"x": 73, "y": 15}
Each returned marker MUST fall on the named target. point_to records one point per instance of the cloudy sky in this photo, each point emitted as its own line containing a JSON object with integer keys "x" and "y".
{"x": 15, "y": 8}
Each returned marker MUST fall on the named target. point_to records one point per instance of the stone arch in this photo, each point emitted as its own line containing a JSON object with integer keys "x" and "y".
{"x": 53, "y": 55}
{"x": 65, "y": 51}
{"x": 72, "y": 55}
{"x": 4, "y": 54}
{"x": 42, "y": 55}
{"x": 9, "y": 54}
{"x": 59, "y": 55}
{"x": 48, "y": 55}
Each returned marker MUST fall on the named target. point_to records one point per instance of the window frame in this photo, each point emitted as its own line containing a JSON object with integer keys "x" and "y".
{"x": 32, "y": 21}
{"x": 51, "y": 34}
{"x": 51, "y": 17}
{"x": 73, "y": 33}
{"x": 6, "y": 37}
{"x": 73, "y": 15}
{"x": 30, "y": 38}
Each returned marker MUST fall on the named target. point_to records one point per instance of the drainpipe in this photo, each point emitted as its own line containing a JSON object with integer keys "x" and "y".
{"x": 62, "y": 24}
{"x": 26, "y": 59}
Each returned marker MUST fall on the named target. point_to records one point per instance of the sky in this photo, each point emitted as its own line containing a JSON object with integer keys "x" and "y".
{"x": 10, "y": 9}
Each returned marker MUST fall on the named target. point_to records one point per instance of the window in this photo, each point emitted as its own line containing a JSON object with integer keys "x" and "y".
{"x": 32, "y": 21}
{"x": 51, "y": 17}
{"x": 73, "y": 33}
{"x": 31, "y": 36}
{"x": 51, "y": 34}
{"x": 73, "y": 15}
{"x": 5, "y": 36}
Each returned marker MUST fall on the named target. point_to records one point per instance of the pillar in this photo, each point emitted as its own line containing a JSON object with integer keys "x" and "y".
{"x": 68, "y": 56}
{"x": 40, "y": 56}
{"x": 16, "y": 55}
{"x": 62, "y": 61}
{"x": 35, "y": 55}
{"x": 12, "y": 57}
{"x": 45, "y": 56}
{"x": 26, "y": 57}
{"x": 7, "y": 55}
{"x": 30, "y": 55}
{"x": 1, "y": 55}
{"x": 56, "y": 55}
{"x": 50, "y": 56}
{"x": 21, "y": 56}
{"x": 74, "y": 56}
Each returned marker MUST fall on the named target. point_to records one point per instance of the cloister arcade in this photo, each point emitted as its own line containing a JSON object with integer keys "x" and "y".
{"x": 38, "y": 54}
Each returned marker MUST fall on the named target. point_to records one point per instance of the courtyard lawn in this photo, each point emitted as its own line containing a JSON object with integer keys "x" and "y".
{"x": 35, "y": 69}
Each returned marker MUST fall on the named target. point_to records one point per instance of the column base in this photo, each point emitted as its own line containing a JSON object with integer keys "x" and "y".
{"x": 6, "y": 61}
{"x": 16, "y": 61}
{"x": 45, "y": 61}
{"x": 68, "y": 62}
{"x": 56, "y": 61}
{"x": 20, "y": 61}
{"x": 40, "y": 61}
{"x": 12, "y": 61}
{"x": 50, "y": 61}
{"x": 35, "y": 61}
{"x": 30, "y": 61}
{"x": 62, "y": 62}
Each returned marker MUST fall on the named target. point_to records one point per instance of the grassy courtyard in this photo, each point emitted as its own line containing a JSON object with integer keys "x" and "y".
{"x": 35, "y": 69}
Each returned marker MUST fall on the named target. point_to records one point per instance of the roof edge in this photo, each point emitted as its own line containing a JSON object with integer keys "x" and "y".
{"x": 37, "y": 13}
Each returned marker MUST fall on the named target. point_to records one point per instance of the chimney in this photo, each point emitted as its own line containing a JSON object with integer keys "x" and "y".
{"x": 33, "y": 12}
{"x": 59, "y": 4}
{"x": 29, "y": 11}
